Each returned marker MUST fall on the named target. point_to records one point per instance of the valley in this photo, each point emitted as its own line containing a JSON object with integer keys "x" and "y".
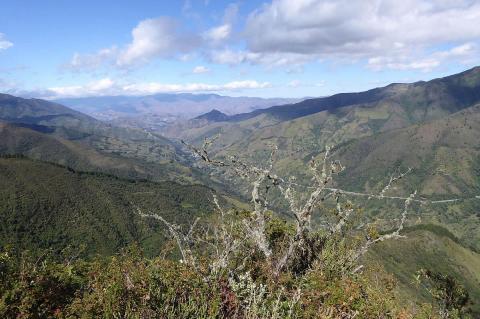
{"x": 70, "y": 180}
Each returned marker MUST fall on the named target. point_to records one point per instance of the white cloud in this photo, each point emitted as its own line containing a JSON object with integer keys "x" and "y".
{"x": 354, "y": 30}
{"x": 294, "y": 83}
{"x": 218, "y": 34}
{"x": 152, "y": 88}
{"x": 247, "y": 84}
{"x": 466, "y": 53}
{"x": 359, "y": 27}
{"x": 158, "y": 37}
{"x": 151, "y": 38}
{"x": 223, "y": 32}
{"x": 231, "y": 13}
{"x": 92, "y": 61}
{"x": 228, "y": 56}
{"x": 464, "y": 50}
{"x": 200, "y": 69}
{"x": 386, "y": 33}
{"x": 4, "y": 43}
{"x": 379, "y": 63}
{"x": 109, "y": 87}
{"x": 97, "y": 88}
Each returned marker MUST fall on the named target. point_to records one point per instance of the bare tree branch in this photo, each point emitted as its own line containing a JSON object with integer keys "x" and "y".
{"x": 183, "y": 241}
{"x": 393, "y": 179}
{"x": 394, "y": 234}
{"x": 303, "y": 205}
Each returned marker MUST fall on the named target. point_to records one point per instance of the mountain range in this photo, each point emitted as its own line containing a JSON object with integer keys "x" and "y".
{"x": 94, "y": 174}
{"x": 52, "y": 132}
{"x": 374, "y": 133}
{"x": 155, "y": 111}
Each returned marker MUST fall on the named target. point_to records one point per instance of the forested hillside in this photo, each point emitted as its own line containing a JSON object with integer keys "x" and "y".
{"x": 69, "y": 183}
{"x": 431, "y": 127}
{"x": 52, "y": 132}
{"x": 46, "y": 206}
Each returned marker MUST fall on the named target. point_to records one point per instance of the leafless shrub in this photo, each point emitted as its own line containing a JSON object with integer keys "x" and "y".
{"x": 339, "y": 244}
{"x": 184, "y": 241}
{"x": 304, "y": 247}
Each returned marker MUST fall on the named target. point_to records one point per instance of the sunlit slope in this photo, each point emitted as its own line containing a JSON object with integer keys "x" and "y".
{"x": 52, "y": 132}
{"x": 433, "y": 248}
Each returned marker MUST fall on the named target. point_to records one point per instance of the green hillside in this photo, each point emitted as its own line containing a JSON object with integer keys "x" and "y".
{"x": 432, "y": 127}
{"x": 420, "y": 100}
{"x": 52, "y": 132}
{"x": 429, "y": 248}
{"x": 33, "y": 142}
{"x": 395, "y": 107}
{"x": 49, "y": 206}
{"x": 444, "y": 155}
{"x": 35, "y": 110}
{"x": 308, "y": 124}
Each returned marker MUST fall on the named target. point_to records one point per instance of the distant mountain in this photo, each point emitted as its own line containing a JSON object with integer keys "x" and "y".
{"x": 422, "y": 100}
{"x": 213, "y": 116}
{"x": 17, "y": 108}
{"x": 52, "y": 132}
{"x": 67, "y": 122}
{"x": 166, "y": 107}
{"x": 348, "y": 115}
{"x": 431, "y": 126}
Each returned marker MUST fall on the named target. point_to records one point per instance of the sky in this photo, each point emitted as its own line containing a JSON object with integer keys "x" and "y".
{"x": 280, "y": 48}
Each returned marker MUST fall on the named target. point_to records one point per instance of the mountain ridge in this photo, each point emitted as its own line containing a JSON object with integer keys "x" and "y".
{"x": 213, "y": 116}
{"x": 50, "y": 131}
{"x": 315, "y": 105}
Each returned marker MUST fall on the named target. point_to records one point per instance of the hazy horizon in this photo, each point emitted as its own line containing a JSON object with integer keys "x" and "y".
{"x": 234, "y": 48}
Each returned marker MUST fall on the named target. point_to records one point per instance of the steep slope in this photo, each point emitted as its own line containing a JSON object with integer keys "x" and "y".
{"x": 29, "y": 110}
{"x": 433, "y": 248}
{"x": 309, "y": 124}
{"x": 52, "y": 132}
{"x": 48, "y": 206}
{"x": 64, "y": 121}
{"x": 433, "y": 127}
{"x": 421, "y": 100}
{"x": 444, "y": 155}
{"x": 29, "y": 140}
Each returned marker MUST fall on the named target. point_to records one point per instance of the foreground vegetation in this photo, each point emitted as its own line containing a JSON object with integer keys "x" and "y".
{"x": 325, "y": 259}
{"x": 234, "y": 264}
{"x": 129, "y": 285}
{"x": 55, "y": 283}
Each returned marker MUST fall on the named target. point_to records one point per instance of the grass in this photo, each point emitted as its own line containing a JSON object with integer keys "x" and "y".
{"x": 429, "y": 247}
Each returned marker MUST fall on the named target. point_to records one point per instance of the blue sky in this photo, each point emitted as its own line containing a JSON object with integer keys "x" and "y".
{"x": 281, "y": 48}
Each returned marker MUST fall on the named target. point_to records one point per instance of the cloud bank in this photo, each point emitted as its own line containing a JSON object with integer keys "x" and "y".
{"x": 382, "y": 34}
{"x": 353, "y": 30}
{"x": 152, "y": 38}
{"x": 107, "y": 86}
